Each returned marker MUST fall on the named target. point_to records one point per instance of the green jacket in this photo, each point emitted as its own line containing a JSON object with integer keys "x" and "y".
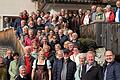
{"x": 13, "y": 69}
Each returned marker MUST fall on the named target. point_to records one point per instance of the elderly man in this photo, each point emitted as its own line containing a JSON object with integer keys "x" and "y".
{"x": 91, "y": 70}
{"x": 22, "y": 73}
{"x": 76, "y": 42}
{"x": 111, "y": 68}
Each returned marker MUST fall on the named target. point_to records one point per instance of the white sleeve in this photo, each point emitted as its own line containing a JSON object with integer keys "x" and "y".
{"x": 48, "y": 64}
{"x": 34, "y": 64}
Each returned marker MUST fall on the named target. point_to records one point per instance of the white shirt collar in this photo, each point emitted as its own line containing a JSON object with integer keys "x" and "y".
{"x": 21, "y": 76}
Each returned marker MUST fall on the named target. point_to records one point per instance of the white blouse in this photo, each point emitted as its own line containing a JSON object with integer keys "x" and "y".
{"x": 48, "y": 64}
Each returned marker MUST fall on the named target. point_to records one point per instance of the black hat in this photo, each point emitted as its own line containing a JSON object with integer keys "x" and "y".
{"x": 66, "y": 51}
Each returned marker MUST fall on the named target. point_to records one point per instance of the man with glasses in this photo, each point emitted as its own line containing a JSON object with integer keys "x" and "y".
{"x": 111, "y": 68}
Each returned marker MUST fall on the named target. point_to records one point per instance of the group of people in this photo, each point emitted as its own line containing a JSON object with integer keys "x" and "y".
{"x": 15, "y": 67}
{"x": 52, "y": 50}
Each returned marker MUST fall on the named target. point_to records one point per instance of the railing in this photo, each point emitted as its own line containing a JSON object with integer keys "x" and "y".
{"x": 105, "y": 34}
{"x": 73, "y": 1}
{"x": 109, "y": 1}
{"x": 79, "y": 1}
{"x": 8, "y": 38}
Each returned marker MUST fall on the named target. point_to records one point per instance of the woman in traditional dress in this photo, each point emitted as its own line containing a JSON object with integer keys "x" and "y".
{"x": 41, "y": 68}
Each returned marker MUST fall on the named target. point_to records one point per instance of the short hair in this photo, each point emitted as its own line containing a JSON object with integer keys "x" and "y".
{"x": 16, "y": 54}
{"x": 38, "y": 10}
{"x": 58, "y": 45}
{"x": 108, "y": 6}
{"x": 22, "y": 66}
{"x": 46, "y": 46}
{"x": 66, "y": 51}
{"x": 8, "y": 50}
{"x": 60, "y": 51}
{"x": 91, "y": 52}
{"x": 110, "y": 51}
{"x": 27, "y": 49}
{"x": 70, "y": 31}
{"x": 66, "y": 42}
{"x": 75, "y": 34}
{"x": 82, "y": 54}
{"x": 48, "y": 12}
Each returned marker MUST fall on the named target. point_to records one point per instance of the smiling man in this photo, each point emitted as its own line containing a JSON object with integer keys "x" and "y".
{"x": 22, "y": 73}
{"x": 111, "y": 68}
{"x": 91, "y": 70}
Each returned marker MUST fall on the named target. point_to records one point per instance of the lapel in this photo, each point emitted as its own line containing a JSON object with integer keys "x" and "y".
{"x": 83, "y": 69}
{"x": 92, "y": 68}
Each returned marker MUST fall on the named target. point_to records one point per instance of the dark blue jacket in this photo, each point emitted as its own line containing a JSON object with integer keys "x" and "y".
{"x": 62, "y": 39}
{"x": 17, "y": 23}
{"x": 19, "y": 31}
{"x": 113, "y": 71}
{"x": 57, "y": 68}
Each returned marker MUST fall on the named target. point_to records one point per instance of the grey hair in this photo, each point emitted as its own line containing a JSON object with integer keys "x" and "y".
{"x": 22, "y": 66}
{"x": 82, "y": 54}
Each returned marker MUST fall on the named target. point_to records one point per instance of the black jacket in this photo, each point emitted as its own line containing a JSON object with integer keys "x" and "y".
{"x": 94, "y": 73}
{"x": 20, "y": 78}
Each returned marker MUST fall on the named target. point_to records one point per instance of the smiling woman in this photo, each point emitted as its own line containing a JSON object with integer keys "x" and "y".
{"x": 41, "y": 68}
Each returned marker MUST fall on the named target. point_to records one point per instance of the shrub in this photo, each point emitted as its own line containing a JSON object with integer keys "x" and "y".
{"x": 88, "y": 44}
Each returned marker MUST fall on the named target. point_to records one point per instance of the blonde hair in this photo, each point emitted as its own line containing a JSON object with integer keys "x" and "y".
{"x": 66, "y": 43}
{"x": 46, "y": 46}
{"x": 42, "y": 52}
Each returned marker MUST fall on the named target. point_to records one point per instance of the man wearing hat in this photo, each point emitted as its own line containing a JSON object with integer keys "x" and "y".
{"x": 66, "y": 68}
